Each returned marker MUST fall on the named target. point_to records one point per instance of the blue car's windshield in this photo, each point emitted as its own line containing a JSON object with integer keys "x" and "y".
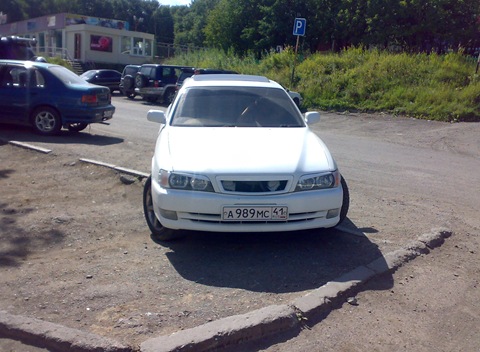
{"x": 236, "y": 107}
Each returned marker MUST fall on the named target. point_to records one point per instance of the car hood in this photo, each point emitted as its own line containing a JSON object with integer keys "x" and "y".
{"x": 245, "y": 150}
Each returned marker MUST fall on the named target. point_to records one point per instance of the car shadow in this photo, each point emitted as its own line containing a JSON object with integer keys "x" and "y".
{"x": 273, "y": 262}
{"x": 25, "y": 134}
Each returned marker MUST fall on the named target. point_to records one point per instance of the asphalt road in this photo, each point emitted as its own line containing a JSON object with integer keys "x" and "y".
{"x": 126, "y": 140}
{"x": 375, "y": 153}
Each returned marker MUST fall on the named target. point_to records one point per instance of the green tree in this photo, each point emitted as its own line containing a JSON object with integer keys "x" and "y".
{"x": 16, "y": 10}
{"x": 191, "y": 21}
{"x": 163, "y": 24}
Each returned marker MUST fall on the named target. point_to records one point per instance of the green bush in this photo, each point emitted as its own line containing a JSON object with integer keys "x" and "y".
{"x": 429, "y": 86}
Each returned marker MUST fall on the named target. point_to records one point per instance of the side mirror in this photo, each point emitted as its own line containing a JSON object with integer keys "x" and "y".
{"x": 157, "y": 116}
{"x": 312, "y": 117}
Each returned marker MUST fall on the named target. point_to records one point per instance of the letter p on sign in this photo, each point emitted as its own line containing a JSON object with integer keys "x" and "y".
{"x": 299, "y": 26}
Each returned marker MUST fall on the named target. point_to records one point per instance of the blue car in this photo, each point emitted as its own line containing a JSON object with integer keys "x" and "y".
{"x": 49, "y": 97}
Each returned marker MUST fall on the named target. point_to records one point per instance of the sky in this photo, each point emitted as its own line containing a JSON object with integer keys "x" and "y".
{"x": 174, "y": 2}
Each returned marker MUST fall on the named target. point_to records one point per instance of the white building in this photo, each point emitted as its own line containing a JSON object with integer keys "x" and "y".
{"x": 85, "y": 39}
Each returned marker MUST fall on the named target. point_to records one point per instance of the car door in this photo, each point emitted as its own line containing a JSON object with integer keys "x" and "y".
{"x": 14, "y": 94}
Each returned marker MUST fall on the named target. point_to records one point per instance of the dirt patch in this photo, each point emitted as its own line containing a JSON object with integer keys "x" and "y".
{"x": 76, "y": 251}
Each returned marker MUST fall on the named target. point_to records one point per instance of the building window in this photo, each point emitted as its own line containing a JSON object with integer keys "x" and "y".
{"x": 125, "y": 45}
{"x": 136, "y": 46}
{"x": 41, "y": 42}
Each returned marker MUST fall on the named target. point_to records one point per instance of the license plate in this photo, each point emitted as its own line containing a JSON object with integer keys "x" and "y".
{"x": 254, "y": 213}
{"x": 108, "y": 113}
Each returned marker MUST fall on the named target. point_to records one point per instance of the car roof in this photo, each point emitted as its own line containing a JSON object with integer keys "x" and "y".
{"x": 231, "y": 80}
{"x": 28, "y": 63}
{"x": 161, "y": 65}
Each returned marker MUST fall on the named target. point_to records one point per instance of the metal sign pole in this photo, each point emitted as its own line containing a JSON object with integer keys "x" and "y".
{"x": 298, "y": 29}
{"x": 294, "y": 62}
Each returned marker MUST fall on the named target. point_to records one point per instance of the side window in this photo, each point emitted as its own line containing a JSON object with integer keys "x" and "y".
{"x": 19, "y": 77}
{"x": 169, "y": 75}
{"x": 156, "y": 73}
{"x": 6, "y": 77}
{"x": 37, "y": 79}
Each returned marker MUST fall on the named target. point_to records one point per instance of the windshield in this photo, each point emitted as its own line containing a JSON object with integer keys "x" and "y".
{"x": 88, "y": 74}
{"x": 65, "y": 75}
{"x": 236, "y": 107}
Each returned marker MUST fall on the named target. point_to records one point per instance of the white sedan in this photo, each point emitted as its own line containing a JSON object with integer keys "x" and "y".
{"x": 235, "y": 154}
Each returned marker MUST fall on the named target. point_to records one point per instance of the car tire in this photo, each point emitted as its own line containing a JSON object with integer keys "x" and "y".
{"x": 159, "y": 233}
{"x": 46, "y": 121}
{"x": 140, "y": 81}
{"x": 130, "y": 95}
{"x": 128, "y": 82}
{"x": 345, "y": 201}
{"x": 169, "y": 96}
{"x": 77, "y": 127}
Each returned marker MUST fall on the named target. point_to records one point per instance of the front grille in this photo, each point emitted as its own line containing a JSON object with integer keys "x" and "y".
{"x": 254, "y": 186}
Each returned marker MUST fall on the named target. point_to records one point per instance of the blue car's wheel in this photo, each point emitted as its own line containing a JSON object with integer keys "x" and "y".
{"x": 77, "y": 127}
{"x": 46, "y": 121}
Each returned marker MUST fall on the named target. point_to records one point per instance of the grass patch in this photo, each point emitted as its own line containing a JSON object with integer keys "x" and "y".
{"x": 437, "y": 87}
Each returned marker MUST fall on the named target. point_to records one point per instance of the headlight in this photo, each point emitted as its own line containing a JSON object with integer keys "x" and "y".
{"x": 319, "y": 181}
{"x": 184, "y": 181}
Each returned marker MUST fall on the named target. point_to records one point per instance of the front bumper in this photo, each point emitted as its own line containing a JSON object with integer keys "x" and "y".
{"x": 150, "y": 92}
{"x": 201, "y": 211}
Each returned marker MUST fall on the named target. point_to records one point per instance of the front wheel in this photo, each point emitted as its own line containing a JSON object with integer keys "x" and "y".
{"x": 169, "y": 96}
{"x": 159, "y": 232}
{"x": 345, "y": 202}
{"x": 130, "y": 95}
{"x": 151, "y": 99}
{"x": 46, "y": 121}
{"x": 77, "y": 127}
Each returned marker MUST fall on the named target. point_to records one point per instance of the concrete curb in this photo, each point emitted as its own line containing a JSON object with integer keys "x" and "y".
{"x": 116, "y": 168}
{"x": 30, "y": 146}
{"x": 230, "y": 331}
{"x": 271, "y": 320}
{"x": 54, "y": 337}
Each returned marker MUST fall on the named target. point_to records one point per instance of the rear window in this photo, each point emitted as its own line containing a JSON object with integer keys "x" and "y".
{"x": 88, "y": 74}
{"x": 65, "y": 75}
{"x": 146, "y": 70}
{"x": 130, "y": 70}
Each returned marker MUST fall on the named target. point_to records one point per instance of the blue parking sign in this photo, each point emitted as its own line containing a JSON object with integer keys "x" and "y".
{"x": 299, "y": 26}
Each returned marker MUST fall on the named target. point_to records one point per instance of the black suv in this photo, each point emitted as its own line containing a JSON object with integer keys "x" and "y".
{"x": 16, "y": 48}
{"x": 127, "y": 81}
{"x": 189, "y": 72}
{"x": 154, "y": 82}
